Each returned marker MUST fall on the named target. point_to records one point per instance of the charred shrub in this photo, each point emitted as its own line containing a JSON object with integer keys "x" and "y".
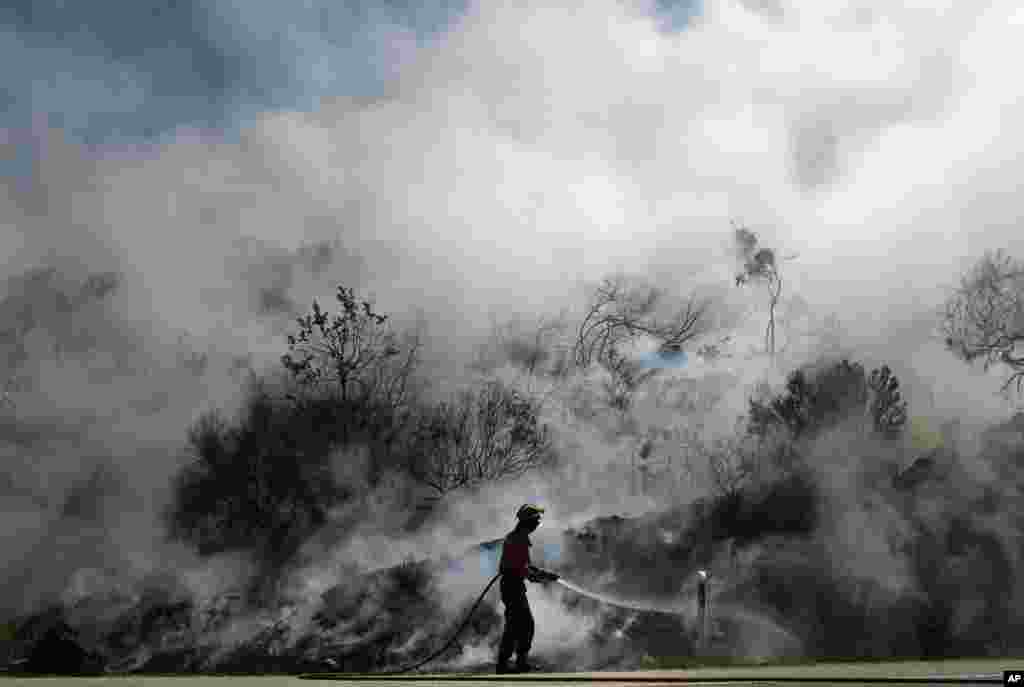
{"x": 411, "y": 579}
{"x": 58, "y": 652}
{"x": 817, "y": 397}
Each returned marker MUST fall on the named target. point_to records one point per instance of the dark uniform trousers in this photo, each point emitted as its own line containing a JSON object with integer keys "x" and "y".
{"x": 519, "y": 626}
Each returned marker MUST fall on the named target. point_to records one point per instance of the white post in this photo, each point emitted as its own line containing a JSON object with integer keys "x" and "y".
{"x": 702, "y": 604}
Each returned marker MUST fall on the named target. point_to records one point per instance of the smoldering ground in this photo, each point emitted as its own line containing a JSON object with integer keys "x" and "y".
{"x": 497, "y": 178}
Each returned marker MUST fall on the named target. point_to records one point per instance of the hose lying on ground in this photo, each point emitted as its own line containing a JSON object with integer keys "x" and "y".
{"x": 469, "y": 616}
{"x": 457, "y": 632}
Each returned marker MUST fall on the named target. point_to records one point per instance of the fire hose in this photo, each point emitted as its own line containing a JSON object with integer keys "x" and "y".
{"x": 540, "y": 575}
{"x": 451, "y": 641}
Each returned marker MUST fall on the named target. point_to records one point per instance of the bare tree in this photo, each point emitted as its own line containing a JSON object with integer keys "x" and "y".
{"x": 478, "y": 437}
{"x": 265, "y": 483}
{"x": 759, "y": 264}
{"x": 985, "y": 316}
{"x": 352, "y": 353}
{"x": 619, "y": 312}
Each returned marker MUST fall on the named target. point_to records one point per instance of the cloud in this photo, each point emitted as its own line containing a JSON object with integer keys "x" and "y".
{"x": 138, "y": 70}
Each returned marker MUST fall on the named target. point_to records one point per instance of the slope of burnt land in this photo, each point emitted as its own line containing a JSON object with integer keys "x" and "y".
{"x": 773, "y": 575}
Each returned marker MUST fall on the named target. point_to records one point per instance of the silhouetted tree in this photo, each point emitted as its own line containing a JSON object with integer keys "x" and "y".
{"x": 352, "y": 354}
{"x": 352, "y": 371}
{"x": 759, "y": 264}
{"x": 619, "y": 312}
{"x": 262, "y": 486}
{"x": 985, "y": 316}
{"x": 481, "y": 436}
{"x": 817, "y": 398}
{"x": 888, "y": 409}
{"x": 265, "y": 483}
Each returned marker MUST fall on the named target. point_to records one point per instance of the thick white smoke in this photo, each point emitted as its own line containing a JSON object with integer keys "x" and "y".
{"x": 528, "y": 152}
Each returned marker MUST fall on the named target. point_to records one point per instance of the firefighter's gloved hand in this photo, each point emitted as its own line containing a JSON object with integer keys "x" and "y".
{"x": 539, "y": 575}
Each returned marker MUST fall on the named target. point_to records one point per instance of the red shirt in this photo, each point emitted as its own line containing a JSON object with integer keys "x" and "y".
{"x": 515, "y": 554}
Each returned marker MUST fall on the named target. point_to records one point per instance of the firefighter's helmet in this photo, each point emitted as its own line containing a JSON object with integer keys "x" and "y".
{"x": 529, "y": 511}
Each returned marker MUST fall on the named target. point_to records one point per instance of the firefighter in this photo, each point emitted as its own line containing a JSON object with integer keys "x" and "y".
{"x": 515, "y": 570}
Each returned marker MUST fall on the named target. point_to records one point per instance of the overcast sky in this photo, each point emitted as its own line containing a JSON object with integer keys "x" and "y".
{"x": 499, "y": 152}
{"x": 484, "y": 158}
{"x": 112, "y": 70}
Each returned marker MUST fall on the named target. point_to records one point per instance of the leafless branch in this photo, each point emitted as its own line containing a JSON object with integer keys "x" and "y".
{"x": 617, "y": 313}
{"x": 478, "y": 437}
{"x": 353, "y": 353}
{"x": 984, "y": 318}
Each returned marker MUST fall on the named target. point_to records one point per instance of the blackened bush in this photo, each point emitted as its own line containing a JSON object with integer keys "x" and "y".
{"x": 818, "y": 397}
{"x": 789, "y": 506}
{"x": 262, "y": 486}
{"x": 934, "y": 621}
{"x": 813, "y": 605}
{"x": 411, "y": 578}
{"x": 659, "y": 634}
{"x": 967, "y": 563}
{"x": 482, "y": 435}
{"x": 58, "y": 653}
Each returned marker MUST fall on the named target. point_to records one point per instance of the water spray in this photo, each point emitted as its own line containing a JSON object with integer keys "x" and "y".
{"x": 542, "y": 576}
{"x": 545, "y": 577}
{"x": 621, "y": 603}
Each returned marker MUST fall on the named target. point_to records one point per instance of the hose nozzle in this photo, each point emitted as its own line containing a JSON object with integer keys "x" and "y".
{"x": 543, "y": 576}
{"x": 546, "y": 576}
